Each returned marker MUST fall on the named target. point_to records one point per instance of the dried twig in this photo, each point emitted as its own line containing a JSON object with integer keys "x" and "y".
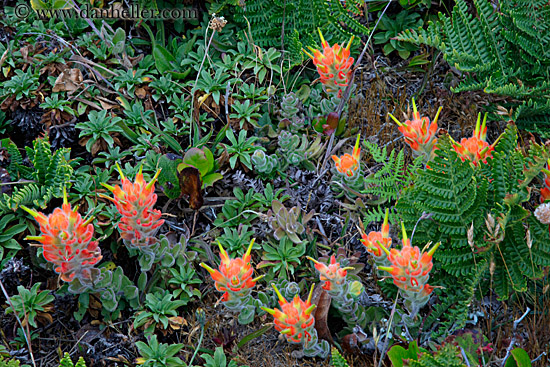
{"x": 513, "y": 341}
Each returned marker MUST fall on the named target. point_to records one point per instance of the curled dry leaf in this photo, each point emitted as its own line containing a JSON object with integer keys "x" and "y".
{"x": 68, "y": 81}
{"x": 322, "y": 299}
{"x": 190, "y": 183}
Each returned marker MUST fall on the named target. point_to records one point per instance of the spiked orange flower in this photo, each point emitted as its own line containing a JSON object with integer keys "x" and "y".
{"x": 333, "y": 65}
{"x": 410, "y": 269}
{"x": 67, "y": 241}
{"x": 374, "y": 240}
{"x": 476, "y": 149}
{"x": 135, "y": 202}
{"x": 234, "y": 276}
{"x": 295, "y": 320}
{"x": 420, "y": 133}
{"x": 545, "y": 191}
{"x": 333, "y": 275}
{"x": 349, "y": 164}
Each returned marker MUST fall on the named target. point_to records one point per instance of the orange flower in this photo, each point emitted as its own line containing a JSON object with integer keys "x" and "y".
{"x": 67, "y": 241}
{"x": 420, "y": 133}
{"x": 135, "y": 202}
{"x": 333, "y": 275}
{"x": 374, "y": 240}
{"x": 410, "y": 269}
{"x": 234, "y": 276}
{"x": 333, "y": 65}
{"x": 545, "y": 191}
{"x": 349, "y": 164}
{"x": 295, "y": 320}
{"x": 476, "y": 149}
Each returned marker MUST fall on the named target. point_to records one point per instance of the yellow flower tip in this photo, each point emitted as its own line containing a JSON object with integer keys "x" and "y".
{"x": 307, "y": 53}
{"x": 312, "y": 259}
{"x": 414, "y": 107}
{"x": 107, "y": 197}
{"x": 310, "y": 309}
{"x": 150, "y": 184}
{"x": 107, "y": 186}
{"x": 394, "y": 119}
{"x": 140, "y": 360}
{"x": 249, "y": 249}
{"x": 268, "y": 310}
{"x": 258, "y": 278}
{"x": 34, "y": 213}
{"x": 208, "y": 268}
{"x": 389, "y": 269}
{"x": 279, "y": 295}
{"x": 310, "y": 293}
{"x": 140, "y": 170}
{"x": 386, "y": 217}
{"x": 122, "y": 177}
{"x": 323, "y": 42}
{"x": 286, "y": 331}
{"x": 404, "y": 231}
{"x": 437, "y": 114}
{"x": 383, "y": 248}
{"x": 222, "y": 250}
{"x": 65, "y": 200}
{"x": 356, "y": 149}
{"x": 476, "y": 130}
{"x": 484, "y": 124}
{"x": 432, "y": 251}
{"x": 348, "y": 268}
{"x": 35, "y": 238}
{"x": 349, "y": 43}
{"x": 88, "y": 221}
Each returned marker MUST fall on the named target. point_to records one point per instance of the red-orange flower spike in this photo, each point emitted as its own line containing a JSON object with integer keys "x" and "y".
{"x": 333, "y": 275}
{"x": 135, "y": 202}
{"x": 333, "y": 65}
{"x": 545, "y": 191}
{"x": 347, "y": 164}
{"x": 67, "y": 241}
{"x": 419, "y": 133}
{"x": 295, "y": 320}
{"x": 410, "y": 269}
{"x": 476, "y": 149}
{"x": 234, "y": 278}
{"x": 373, "y": 240}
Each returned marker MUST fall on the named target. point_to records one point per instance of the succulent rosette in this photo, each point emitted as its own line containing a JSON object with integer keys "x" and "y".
{"x": 333, "y": 65}
{"x": 66, "y": 241}
{"x": 134, "y": 202}
{"x": 476, "y": 149}
{"x": 234, "y": 278}
{"x": 420, "y": 133}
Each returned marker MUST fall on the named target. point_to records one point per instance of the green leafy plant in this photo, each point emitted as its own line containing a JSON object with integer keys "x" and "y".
{"x": 390, "y": 27}
{"x": 155, "y": 354}
{"x": 184, "y": 278}
{"x": 54, "y": 103}
{"x": 9, "y": 362}
{"x": 128, "y": 80}
{"x": 282, "y": 257}
{"x": 241, "y": 149}
{"x": 245, "y": 112}
{"x": 218, "y": 360}
{"x": 22, "y": 84}
{"x": 264, "y": 164}
{"x": 337, "y": 359}
{"x": 159, "y": 308}
{"x": 29, "y": 303}
{"x": 501, "y": 52}
{"x": 66, "y": 361}
{"x": 98, "y": 129}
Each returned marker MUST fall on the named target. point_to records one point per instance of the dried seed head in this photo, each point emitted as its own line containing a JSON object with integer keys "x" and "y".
{"x": 528, "y": 238}
{"x": 217, "y": 23}
{"x": 543, "y": 213}
{"x": 492, "y": 267}
{"x": 471, "y": 236}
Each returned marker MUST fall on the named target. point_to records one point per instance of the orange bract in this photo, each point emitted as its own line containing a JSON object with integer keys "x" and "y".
{"x": 333, "y": 65}
{"x": 135, "y": 201}
{"x": 349, "y": 164}
{"x": 419, "y": 133}
{"x": 373, "y": 240}
{"x": 295, "y": 319}
{"x": 475, "y": 149}
{"x": 67, "y": 241}
{"x": 234, "y": 276}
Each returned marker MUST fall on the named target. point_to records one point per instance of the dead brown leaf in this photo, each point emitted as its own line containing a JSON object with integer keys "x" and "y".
{"x": 68, "y": 81}
{"x": 190, "y": 183}
{"x": 322, "y": 299}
